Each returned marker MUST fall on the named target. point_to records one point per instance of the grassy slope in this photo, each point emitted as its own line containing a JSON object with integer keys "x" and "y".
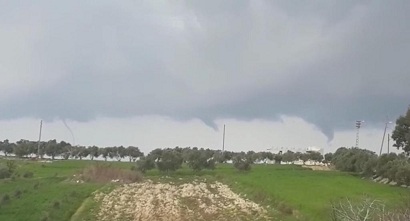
{"x": 39, "y": 194}
{"x": 310, "y": 192}
{"x": 307, "y": 191}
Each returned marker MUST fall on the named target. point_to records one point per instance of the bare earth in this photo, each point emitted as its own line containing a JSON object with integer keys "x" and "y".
{"x": 149, "y": 201}
{"x": 326, "y": 168}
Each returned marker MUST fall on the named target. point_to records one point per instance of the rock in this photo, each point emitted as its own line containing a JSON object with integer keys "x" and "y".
{"x": 384, "y": 181}
{"x": 393, "y": 183}
{"x": 377, "y": 179}
{"x": 404, "y": 186}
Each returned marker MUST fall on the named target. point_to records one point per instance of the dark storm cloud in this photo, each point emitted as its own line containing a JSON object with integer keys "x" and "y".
{"x": 330, "y": 63}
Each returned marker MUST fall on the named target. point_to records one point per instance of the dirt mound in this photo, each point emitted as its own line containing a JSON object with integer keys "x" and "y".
{"x": 172, "y": 202}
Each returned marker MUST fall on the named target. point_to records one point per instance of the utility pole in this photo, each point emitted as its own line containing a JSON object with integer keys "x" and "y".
{"x": 388, "y": 143}
{"x": 384, "y": 134}
{"x": 358, "y": 125}
{"x": 39, "y": 140}
{"x": 223, "y": 140}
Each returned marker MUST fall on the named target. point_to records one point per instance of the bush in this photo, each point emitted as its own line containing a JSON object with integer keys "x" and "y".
{"x": 5, "y": 199}
{"x": 73, "y": 193}
{"x": 35, "y": 186}
{"x": 4, "y": 172}
{"x": 369, "y": 167}
{"x": 241, "y": 164}
{"x": 144, "y": 164}
{"x": 28, "y": 174}
{"x": 402, "y": 175}
{"x": 283, "y": 208}
{"x": 352, "y": 160}
{"x": 199, "y": 160}
{"x": 391, "y": 169}
{"x": 278, "y": 159}
{"x": 17, "y": 194}
{"x": 56, "y": 204}
{"x": 170, "y": 160}
{"x": 45, "y": 217}
{"x": 382, "y": 161}
{"x": 367, "y": 209}
{"x": 11, "y": 166}
{"x": 210, "y": 164}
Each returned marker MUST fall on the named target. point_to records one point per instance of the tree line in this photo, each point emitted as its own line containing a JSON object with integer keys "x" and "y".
{"x": 62, "y": 149}
{"x": 52, "y": 148}
{"x": 392, "y": 166}
{"x": 172, "y": 159}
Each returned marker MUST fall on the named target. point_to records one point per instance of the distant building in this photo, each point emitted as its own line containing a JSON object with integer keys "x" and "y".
{"x": 315, "y": 149}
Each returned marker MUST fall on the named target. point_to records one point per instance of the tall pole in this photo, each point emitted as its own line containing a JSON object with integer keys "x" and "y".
{"x": 223, "y": 140}
{"x": 358, "y": 125}
{"x": 388, "y": 143}
{"x": 39, "y": 140}
{"x": 384, "y": 134}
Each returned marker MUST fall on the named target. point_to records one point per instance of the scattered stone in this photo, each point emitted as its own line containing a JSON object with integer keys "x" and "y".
{"x": 393, "y": 183}
{"x": 378, "y": 179}
{"x": 164, "y": 201}
{"x": 384, "y": 181}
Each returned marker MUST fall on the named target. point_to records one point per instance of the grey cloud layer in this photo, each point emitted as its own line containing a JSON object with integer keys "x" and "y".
{"x": 328, "y": 62}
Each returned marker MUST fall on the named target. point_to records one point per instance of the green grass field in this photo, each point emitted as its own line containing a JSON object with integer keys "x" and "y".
{"x": 49, "y": 195}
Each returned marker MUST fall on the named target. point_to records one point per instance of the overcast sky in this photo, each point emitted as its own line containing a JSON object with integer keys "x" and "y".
{"x": 153, "y": 74}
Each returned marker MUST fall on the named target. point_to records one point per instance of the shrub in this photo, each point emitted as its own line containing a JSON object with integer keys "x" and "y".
{"x": 5, "y": 199}
{"x": 56, "y": 204}
{"x": 17, "y": 194}
{"x": 199, "y": 160}
{"x": 352, "y": 160}
{"x": 241, "y": 164}
{"x": 210, "y": 164}
{"x": 283, "y": 208}
{"x": 11, "y": 166}
{"x": 28, "y": 174}
{"x": 170, "y": 160}
{"x": 382, "y": 161}
{"x": 391, "y": 169}
{"x": 367, "y": 209}
{"x": 45, "y": 217}
{"x": 144, "y": 164}
{"x": 402, "y": 175}
{"x": 368, "y": 169}
{"x": 196, "y": 160}
{"x": 4, "y": 172}
{"x": 278, "y": 159}
{"x": 73, "y": 193}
